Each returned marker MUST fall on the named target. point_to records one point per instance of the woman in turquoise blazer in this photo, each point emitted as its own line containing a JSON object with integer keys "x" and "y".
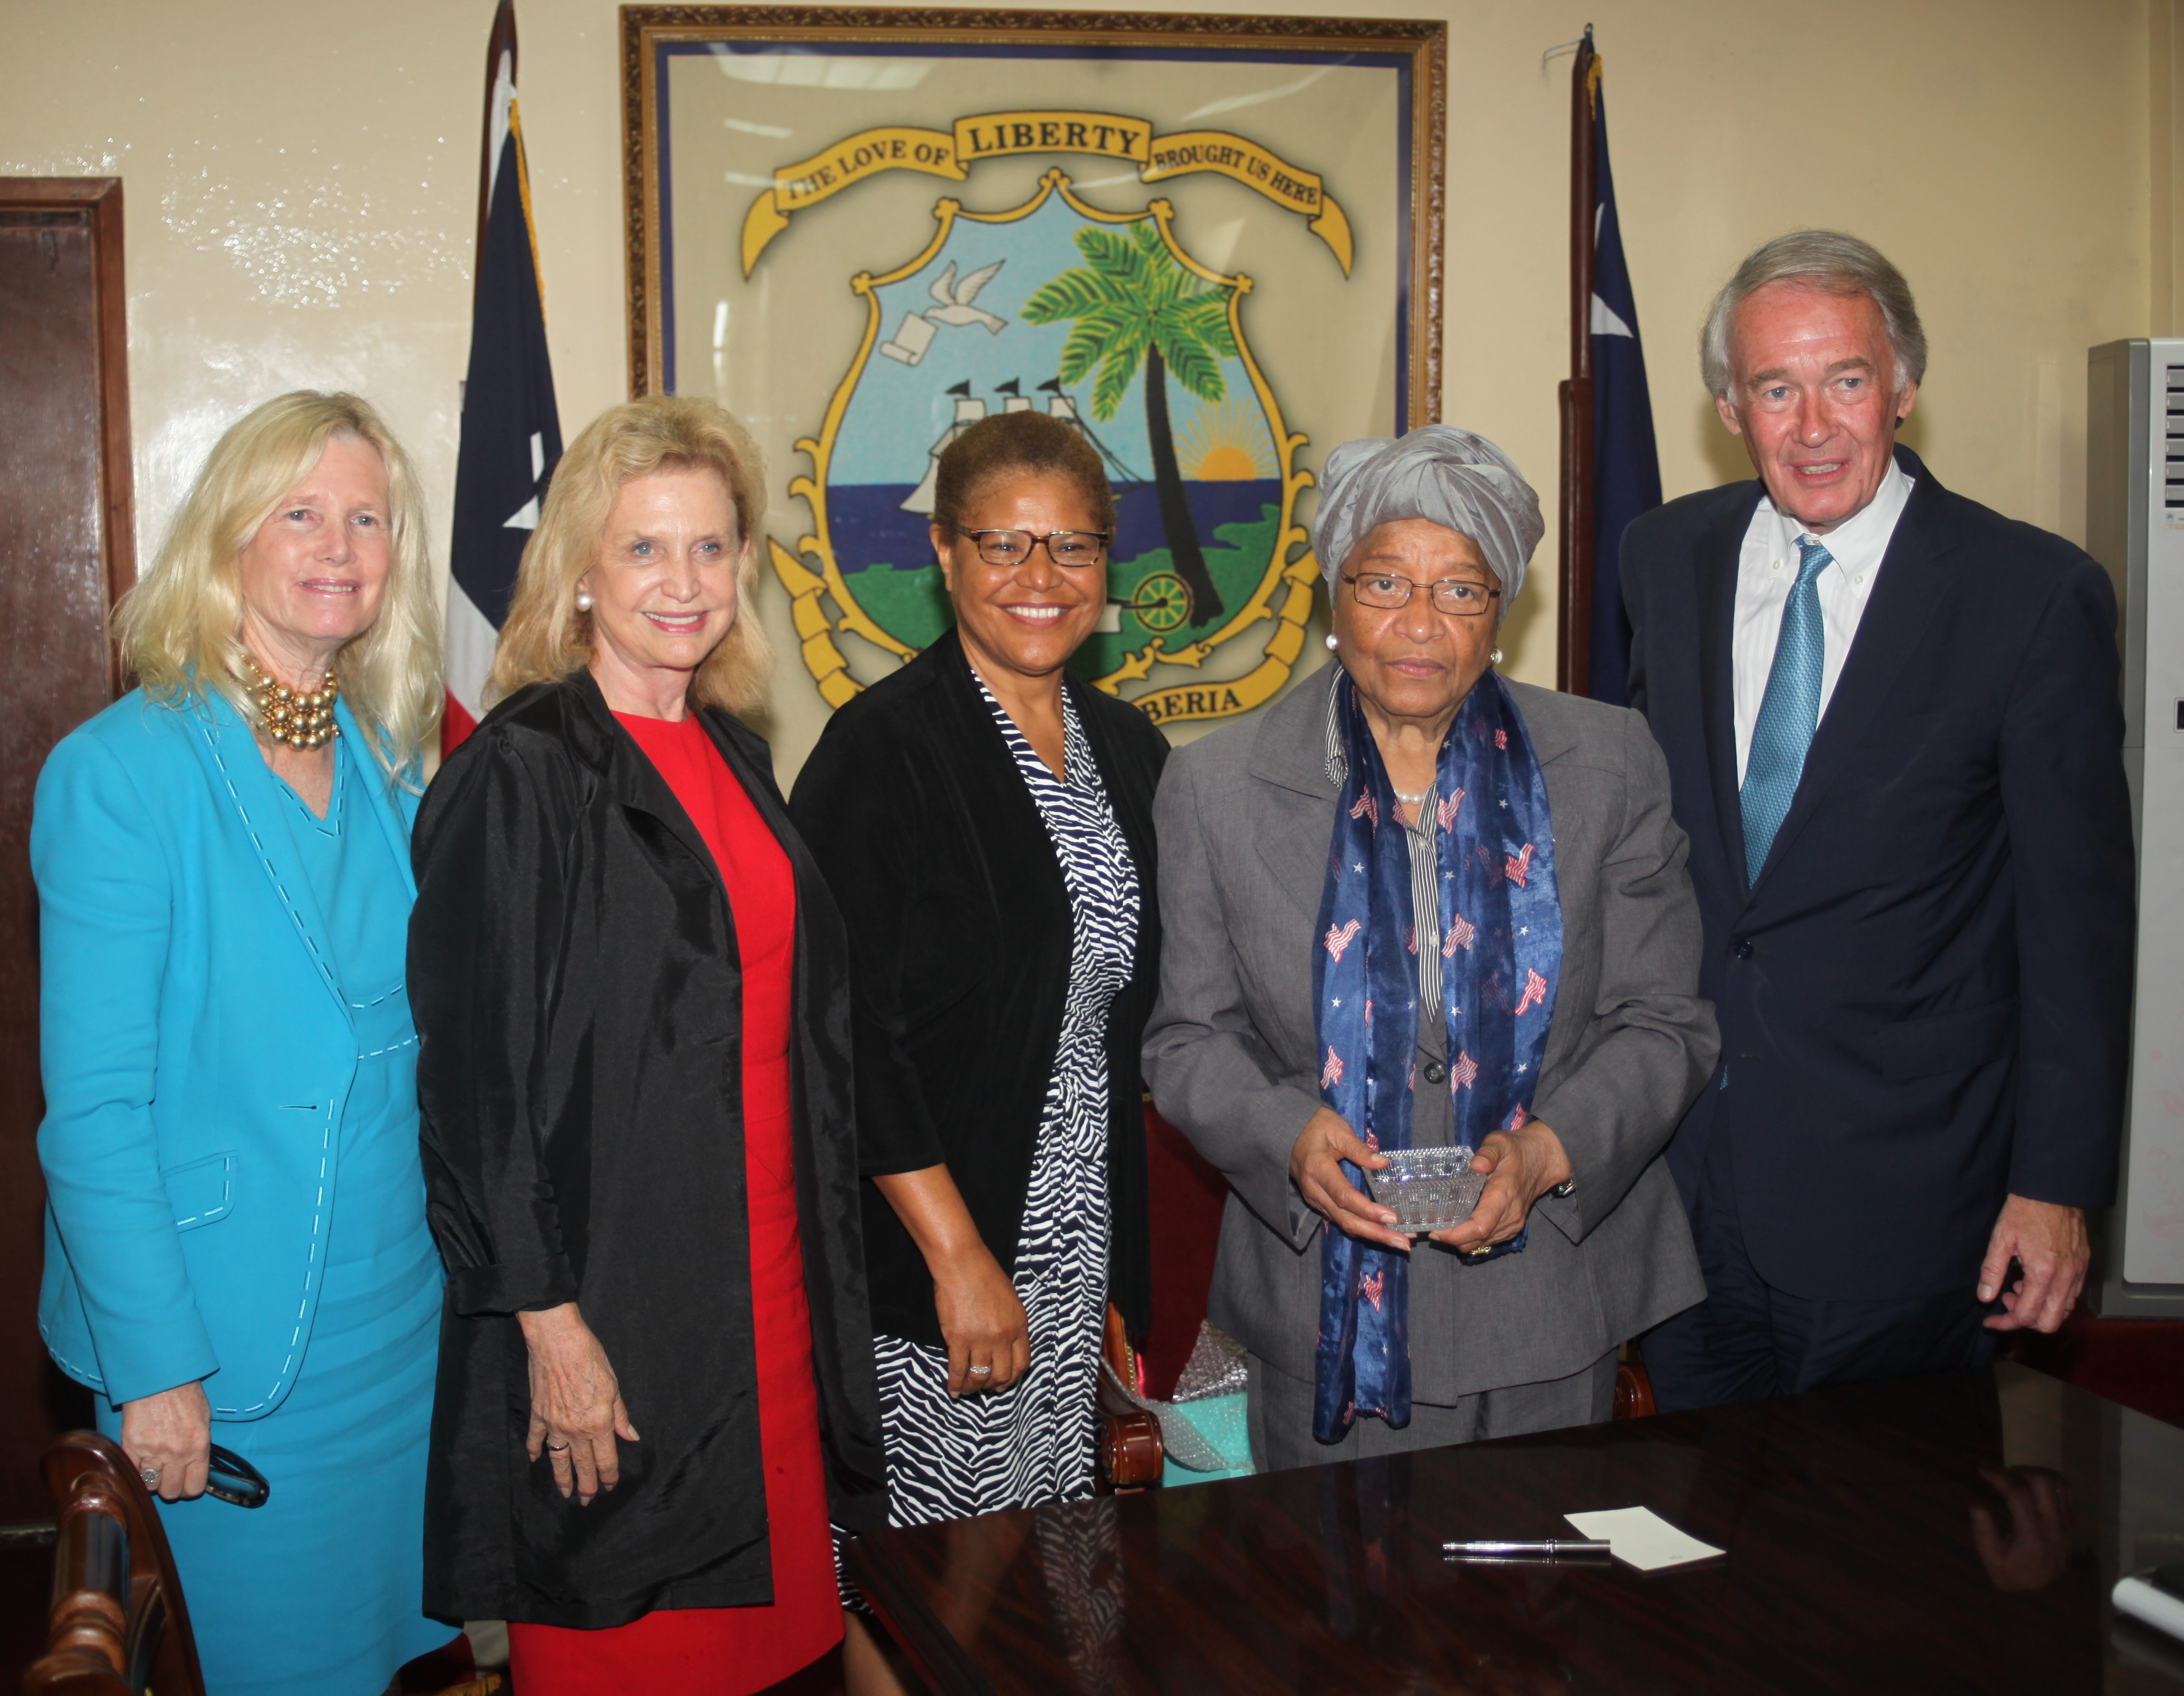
{"x": 236, "y": 1244}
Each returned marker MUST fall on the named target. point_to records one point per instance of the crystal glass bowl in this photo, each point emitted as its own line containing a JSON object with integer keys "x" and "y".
{"x": 1430, "y": 1189}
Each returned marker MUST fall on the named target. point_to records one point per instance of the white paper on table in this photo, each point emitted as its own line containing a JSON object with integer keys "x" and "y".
{"x": 2134, "y": 1595}
{"x": 1642, "y": 1537}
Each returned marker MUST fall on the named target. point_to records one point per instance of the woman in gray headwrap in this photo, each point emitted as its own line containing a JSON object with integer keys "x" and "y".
{"x": 1416, "y": 905}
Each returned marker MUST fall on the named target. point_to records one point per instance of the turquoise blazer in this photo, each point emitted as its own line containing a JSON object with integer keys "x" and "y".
{"x": 196, "y": 1056}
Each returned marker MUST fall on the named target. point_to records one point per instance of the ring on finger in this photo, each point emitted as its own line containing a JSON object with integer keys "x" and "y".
{"x": 557, "y": 1449}
{"x": 981, "y": 1371}
{"x": 150, "y": 1474}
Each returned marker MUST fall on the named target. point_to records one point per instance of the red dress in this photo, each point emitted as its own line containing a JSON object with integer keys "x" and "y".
{"x": 734, "y": 1651}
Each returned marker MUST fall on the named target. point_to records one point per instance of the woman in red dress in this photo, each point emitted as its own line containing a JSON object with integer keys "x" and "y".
{"x": 633, "y": 992}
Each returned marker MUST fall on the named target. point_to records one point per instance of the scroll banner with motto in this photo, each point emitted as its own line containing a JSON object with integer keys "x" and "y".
{"x": 997, "y": 135}
{"x": 1105, "y": 319}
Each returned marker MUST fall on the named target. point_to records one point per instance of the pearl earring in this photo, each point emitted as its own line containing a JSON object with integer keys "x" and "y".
{"x": 1333, "y": 641}
{"x": 1497, "y": 657}
{"x": 583, "y": 601}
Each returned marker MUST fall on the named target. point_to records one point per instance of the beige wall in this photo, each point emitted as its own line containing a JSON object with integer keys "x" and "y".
{"x": 2164, "y": 155}
{"x": 301, "y": 182}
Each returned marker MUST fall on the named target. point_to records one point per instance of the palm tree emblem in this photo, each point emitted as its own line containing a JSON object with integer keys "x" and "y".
{"x": 1130, "y": 304}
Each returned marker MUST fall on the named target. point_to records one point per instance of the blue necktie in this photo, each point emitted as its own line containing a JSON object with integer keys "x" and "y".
{"x": 1788, "y": 714}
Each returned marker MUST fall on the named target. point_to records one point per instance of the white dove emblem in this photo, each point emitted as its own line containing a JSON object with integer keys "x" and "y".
{"x": 955, "y": 298}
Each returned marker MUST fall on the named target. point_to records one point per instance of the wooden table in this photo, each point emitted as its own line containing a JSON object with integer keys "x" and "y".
{"x": 1870, "y": 1550}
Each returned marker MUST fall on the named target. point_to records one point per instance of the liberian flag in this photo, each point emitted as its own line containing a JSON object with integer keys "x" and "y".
{"x": 511, "y": 437}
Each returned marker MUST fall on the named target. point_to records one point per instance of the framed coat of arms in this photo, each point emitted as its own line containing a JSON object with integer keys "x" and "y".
{"x": 1213, "y": 244}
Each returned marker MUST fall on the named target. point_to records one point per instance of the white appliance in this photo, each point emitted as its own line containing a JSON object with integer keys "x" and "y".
{"x": 2134, "y": 527}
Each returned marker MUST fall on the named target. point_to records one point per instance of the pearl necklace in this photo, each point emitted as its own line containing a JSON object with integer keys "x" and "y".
{"x": 1418, "y": 800}
{"x": 304, "y": 722}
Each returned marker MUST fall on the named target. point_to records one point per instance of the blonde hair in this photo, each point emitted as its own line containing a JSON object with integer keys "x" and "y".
{"x": 180, "y": 629}
{"x": 544, "y": 638}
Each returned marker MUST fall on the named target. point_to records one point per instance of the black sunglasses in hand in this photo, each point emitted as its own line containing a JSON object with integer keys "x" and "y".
{"x": 231, "y": 1478}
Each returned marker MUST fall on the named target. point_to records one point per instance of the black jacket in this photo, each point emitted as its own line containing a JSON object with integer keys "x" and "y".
{"x": 961, "y": 924}
{"x": 1924, "y": 998}
{"x": 573, "y": 970}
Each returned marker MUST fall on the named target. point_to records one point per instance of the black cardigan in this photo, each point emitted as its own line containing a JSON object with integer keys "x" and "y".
{"x": 960, "y": 922}
{"x": 574, "y": 974}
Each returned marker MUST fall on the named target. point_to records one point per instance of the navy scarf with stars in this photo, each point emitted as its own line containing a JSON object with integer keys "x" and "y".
{"x": 1502, "y": 950}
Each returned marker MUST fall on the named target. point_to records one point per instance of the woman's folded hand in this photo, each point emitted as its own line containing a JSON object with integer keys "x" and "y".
{"x": 169, "y": 1434}
{"x": 1316, "y": 1168}
{"x": 1525, "y": 1165}
{"x": 576, "y": 1411}
{"x": 989, "y": 1337}
{"x": 981, "y": 1320}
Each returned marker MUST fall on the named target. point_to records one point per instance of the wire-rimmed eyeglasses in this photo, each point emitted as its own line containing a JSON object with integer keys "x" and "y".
{"x": 1457, "y": 596}
{"x": 1069, "y": 549}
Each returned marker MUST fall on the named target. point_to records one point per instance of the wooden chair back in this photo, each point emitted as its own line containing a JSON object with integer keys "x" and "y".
{"x": 1634, "y": 1388}
{"x": 118, "y": 1624}
{"x": 1132, "y": 1455}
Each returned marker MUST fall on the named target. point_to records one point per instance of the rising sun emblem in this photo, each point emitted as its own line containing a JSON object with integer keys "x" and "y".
{"x": 1227, "y": 442}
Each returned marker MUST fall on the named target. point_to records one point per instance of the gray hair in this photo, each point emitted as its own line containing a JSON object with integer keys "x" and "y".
{"x": 1833, "y": 263}
{"x": 1455, "y": 479}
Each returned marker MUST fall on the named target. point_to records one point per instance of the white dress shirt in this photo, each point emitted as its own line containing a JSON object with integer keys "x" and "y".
{"x": 1767, "y": 570}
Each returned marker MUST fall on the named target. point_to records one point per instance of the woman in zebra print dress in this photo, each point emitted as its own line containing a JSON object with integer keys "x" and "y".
{"x": 947, "y": 1455}
{"x": 985, "y": 821}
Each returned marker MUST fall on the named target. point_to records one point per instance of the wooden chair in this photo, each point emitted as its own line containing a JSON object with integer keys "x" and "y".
{"x": 1634, "y": 1388}
{"x": 1132, "y": 1456}
{"x": 118, "y": 1624}
{"x": 450, "y": 1671}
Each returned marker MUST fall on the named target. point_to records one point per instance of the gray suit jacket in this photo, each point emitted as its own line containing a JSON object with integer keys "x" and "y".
{"x": 1245, "y": 816}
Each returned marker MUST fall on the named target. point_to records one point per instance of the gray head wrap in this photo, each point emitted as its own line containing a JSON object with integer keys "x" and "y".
{"x": 1454, "y": 477}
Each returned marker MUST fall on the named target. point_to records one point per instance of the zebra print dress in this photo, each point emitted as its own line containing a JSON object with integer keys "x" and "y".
{"x": 1032, "y": 1443}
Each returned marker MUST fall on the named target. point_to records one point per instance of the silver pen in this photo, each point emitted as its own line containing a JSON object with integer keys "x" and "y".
{"x": 1551, "y": 1548}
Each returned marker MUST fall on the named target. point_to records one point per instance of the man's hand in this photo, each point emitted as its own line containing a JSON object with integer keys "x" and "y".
{"x": 2048, "y": 1242}
{"x": 1526, "y": 1164}
{"x": 1316, "y": 1168}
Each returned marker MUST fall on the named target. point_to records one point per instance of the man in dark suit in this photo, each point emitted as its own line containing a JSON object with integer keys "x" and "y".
{"x": 1893, "y": 735}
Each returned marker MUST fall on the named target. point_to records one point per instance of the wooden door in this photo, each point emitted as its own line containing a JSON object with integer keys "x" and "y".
{"x": 65, "y": 554}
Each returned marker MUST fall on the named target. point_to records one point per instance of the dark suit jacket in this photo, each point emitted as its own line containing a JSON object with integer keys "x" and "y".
{"x": 574, "y": 973}
{"x": 960, "y": 925}
{"x": 1925, "y": 999}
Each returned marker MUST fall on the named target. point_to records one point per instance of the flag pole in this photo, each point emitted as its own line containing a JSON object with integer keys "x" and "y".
{"x": 1573, "y": 648}
{"x": 502, "y": 41}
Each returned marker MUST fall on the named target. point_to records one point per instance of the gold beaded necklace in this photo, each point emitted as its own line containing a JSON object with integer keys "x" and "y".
{"x": 289, "y": 715}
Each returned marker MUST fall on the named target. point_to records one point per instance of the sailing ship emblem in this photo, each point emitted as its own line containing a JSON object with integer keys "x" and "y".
{"x": 969, "y": 410}
{"x": 1103, "y": 319}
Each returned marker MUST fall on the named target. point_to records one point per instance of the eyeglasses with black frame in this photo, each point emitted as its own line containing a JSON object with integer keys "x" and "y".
{"x": 1071, "y": 549}
{"x": 1459, "y": 597}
